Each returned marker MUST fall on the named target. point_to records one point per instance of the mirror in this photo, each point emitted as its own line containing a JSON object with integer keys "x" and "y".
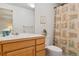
{"x": 5, "y": 21}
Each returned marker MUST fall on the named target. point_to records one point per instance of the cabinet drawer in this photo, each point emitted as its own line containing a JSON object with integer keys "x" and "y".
{"x": 41, "y": 53}
{"x": 40, "y": 41}
{"x": 0, "y": 54}
{"x": 17, "y": 45}
{"x": 40, "y": 47}
{"x": 23, "y": 52}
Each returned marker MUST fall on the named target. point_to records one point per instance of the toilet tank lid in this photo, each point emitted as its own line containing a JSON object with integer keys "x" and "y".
{"x": 54, "y": 48}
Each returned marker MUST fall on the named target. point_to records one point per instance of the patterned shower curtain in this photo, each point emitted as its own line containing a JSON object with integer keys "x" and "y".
{"x": 67, "y": 28}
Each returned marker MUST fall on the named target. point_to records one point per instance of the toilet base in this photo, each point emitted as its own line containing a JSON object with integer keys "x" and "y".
{"x": 53, "y": 51}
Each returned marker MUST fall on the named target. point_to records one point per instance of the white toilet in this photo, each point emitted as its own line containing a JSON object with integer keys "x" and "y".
{"x": 53, "y": 51}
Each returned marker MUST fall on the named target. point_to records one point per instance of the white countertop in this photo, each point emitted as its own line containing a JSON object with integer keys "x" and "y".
{"x": 24, "y": 35}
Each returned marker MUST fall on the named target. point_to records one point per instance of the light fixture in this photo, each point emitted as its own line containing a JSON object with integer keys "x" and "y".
{"x": 32, "y": 5}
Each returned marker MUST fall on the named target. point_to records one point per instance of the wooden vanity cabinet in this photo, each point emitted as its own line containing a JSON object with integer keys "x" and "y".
{"x": 25, "y": 47}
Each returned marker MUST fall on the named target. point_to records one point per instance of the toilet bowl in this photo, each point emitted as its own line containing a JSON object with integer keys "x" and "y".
{"x": 53, "y": 51}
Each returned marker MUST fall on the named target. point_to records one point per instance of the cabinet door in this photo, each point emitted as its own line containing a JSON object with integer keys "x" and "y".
{"x": 23, "y": 52}
{"x": 18, "y": 45}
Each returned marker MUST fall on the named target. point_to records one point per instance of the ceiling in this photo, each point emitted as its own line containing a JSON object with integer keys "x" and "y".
{"x": 24, "y": 5}
{"x": 30, "y": 6}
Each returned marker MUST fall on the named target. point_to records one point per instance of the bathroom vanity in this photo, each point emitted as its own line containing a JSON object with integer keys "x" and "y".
{"x": 22, "y": 45}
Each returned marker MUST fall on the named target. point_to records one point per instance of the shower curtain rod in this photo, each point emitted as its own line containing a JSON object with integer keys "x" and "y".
{"x": 61, "y": 4}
